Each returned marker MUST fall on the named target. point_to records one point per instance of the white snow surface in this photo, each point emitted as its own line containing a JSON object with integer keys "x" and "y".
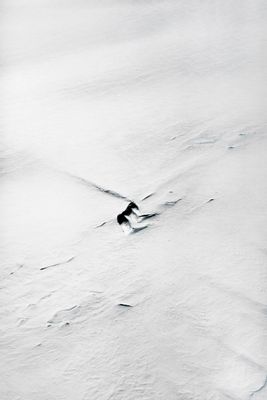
{"x": 105, "y": 101}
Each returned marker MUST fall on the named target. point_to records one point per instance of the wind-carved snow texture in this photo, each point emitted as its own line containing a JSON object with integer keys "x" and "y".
{"x": 98, "y": 187}
{"x": 57, "y": 264}
{"x": 259, "y": 389}
{"x": 156, "y": 102}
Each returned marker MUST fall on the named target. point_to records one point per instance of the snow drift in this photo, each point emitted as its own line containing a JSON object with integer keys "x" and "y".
{"x": 160, "y": 102}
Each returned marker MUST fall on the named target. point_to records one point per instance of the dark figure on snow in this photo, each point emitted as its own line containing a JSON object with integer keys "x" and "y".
{"x": 124, "y": 219}
{"x": 132, "y": 208}
{"x": 124, "y": 222}
{"x": 121, "y": 219}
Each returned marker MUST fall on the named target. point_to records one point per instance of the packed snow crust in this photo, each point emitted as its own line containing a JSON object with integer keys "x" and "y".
{"x": 160, "y": 102}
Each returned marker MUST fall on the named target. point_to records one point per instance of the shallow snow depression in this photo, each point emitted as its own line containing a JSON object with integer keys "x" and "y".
{"x": 160, "y": 102}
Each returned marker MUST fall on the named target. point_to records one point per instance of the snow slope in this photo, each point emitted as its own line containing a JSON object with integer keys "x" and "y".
{"x": 157, "y": 101}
